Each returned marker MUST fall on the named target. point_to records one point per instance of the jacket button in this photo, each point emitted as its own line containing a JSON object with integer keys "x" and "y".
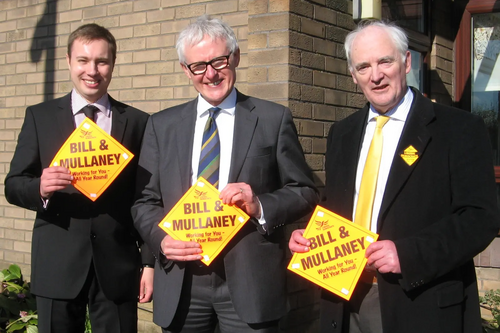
{"x": 93, "y": 236}
{"x": 334, "y": 324}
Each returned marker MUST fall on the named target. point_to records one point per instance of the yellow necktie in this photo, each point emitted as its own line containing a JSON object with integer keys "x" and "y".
{"x": 368, "y": 185}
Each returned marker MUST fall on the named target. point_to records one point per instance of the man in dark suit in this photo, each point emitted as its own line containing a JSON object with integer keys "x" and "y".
{"x": 435, "y": 204}
{"x": 262, "y": 170}
{"x": 83, "y": 252}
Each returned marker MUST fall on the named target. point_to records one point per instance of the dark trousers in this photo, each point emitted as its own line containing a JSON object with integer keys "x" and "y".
{"x": 206, "y": 306}
{"x": 68, "y": 315}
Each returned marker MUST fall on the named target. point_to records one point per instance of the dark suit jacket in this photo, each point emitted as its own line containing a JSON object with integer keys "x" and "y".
{"x": 440, "y": 212}
{"x": 74, "y": 232}
{"x": 267, "y": 155}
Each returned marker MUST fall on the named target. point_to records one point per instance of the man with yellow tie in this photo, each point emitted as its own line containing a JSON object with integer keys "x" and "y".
{"x": 420, "y": 175}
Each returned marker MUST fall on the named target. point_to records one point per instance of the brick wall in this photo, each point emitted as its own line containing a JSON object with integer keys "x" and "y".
{"x": 291, "y": 53}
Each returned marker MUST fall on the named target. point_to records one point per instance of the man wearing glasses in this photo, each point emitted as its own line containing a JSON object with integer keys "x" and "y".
{"x": 257, "y": 164}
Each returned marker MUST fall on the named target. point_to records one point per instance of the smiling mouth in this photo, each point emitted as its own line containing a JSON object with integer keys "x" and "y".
{"x": 215, "y": 84}
{"x": 91, "y": 82}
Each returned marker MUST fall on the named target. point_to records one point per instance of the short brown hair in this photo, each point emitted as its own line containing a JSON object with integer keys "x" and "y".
{"x": 90, "y": 32}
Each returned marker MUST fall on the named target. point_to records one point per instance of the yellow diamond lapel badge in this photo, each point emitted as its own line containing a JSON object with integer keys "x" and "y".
{"x": 94, "y": 158}
{"x": 410, "y": 155}
{"x": 200, "y": 216}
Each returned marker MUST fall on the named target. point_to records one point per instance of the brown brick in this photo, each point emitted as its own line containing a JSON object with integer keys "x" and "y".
{"x": 159, "y": 15}
{"x": 93, "y": 12}
{"x": 310, "y": 128}
{"x": 73, "y": 15}
{"x": 146, "y": 56}
{"x": 132, "y": 70}
{"x": 336, "y": 34}
{"x": 271, "y": 91}
{"x": 300, "y": 41}
{"x": 132, "y": 19}
{"x": 147, "y": 30}
{"x": 173, "y": 80}
{"x": 132, "y": 95}
{"x": 335, "y": 97}
{"x": 174, "y": 3}
{"x": 313, "y": 60}
{"x": 300, "y": 74}
{"x": 122, "y": 33}
{"x": 336, "y": 65}
{"x": 174, "y": 26}
{"x": 257, "y": 41}
{"x": 268, "y": 23}
{"x": 257, "y": 74}
{"x": 324, "y": 112}
{"x": 140, "y": 5}
{"x": 120, "y": 8}
{"x": 189, "y": 11}
{"x": 160, "y": 41}
{"x": 278, "y": 73}
{"x": 16, "y": 13}
{"x": 323, "y": 79}
{"x": 268, "y": 57}
{"x": 159, "y": 93}
{"x": 276, "y": 6}
{"x": 132, "y": 44}
{"x": 221, "y": 7}
{"x": 279, "y": 39}
{"x": 300, "y": 109}
{"x": 319, "y": 145}
{"x": 257, "y": 7}
{"x": 146, "y": 81}
{"x": 160, "y": 67}
{"x": 323, "y": 46}
{"x": 313, "y": 28}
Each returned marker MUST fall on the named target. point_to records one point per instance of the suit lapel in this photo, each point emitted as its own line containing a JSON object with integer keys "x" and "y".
{"x": 349, "y": 142}
{"x": 63, "y": 117}
{"x": 244, "y": 127}
{"x": 118, "y": 120}
{"x": 184, "y": 137}
{"x": 416, "y": 134}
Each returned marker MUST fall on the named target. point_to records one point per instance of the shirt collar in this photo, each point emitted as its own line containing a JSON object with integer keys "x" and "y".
{"x": 399, "y": 112}
{"x": 228, "y": 105}
{"x": 78, "y": 102}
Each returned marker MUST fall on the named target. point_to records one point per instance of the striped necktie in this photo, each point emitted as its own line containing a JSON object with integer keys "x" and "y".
{"x": 368, "y": 185}
{"x": 210, "y": 150}
{"x": 89, "y": 111}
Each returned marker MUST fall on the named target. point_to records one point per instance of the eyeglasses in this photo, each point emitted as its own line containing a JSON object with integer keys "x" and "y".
{"x": 218, "y": 63}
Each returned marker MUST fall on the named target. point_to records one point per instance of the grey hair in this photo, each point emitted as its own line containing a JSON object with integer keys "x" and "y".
{"x": 397, "y": 34}
{"x": 205, "y": 26}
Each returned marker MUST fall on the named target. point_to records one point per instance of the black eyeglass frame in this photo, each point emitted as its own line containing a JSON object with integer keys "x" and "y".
{"x": 206, "y": 63}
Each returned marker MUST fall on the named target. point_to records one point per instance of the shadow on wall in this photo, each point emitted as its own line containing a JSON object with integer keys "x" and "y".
{"x": 44, "y": 39}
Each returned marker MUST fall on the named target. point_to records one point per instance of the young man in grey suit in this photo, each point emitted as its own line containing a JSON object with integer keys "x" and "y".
{"x": 435, "y": 204}
{"x": 262, "y": 170}
{"x": 83, "y": 252}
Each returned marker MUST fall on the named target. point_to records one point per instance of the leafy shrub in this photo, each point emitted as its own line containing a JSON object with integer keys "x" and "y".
{"x": 491, "y": 302}
{"x": 17, "y": 304}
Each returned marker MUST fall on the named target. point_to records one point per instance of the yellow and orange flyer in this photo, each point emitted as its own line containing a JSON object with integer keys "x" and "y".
{"x": 94, "y": 158}
{"x": 200, "y": 216}
{"x": 336, "y": 257}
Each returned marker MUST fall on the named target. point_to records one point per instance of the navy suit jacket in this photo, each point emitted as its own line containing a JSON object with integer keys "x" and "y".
{"x": 266, "y": 155}
{"x": 440, "y": 212}
{"x": 74, "y": 232}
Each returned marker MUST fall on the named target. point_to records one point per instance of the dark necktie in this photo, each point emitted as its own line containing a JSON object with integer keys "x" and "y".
{"x": 210, "y": 150}
{"x": 89, "y": 111}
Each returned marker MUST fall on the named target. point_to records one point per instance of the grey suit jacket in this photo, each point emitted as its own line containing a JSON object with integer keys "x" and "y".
{"x": 266, "y": 155}
{"x": 440, "y": 212}
{"x": 74, "y": 233}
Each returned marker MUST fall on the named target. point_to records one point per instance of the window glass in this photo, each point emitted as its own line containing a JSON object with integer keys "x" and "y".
{"x": 409, "y": 14}
{"x": 414, "y": 77}
{"x": 485, "y": 74}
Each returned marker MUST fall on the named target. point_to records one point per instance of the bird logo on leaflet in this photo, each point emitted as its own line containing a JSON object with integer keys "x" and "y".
{"x": 202, "y": 195}
{"x": 323, "y": 225}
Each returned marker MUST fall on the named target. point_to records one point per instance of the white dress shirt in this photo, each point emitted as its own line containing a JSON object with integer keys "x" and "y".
{"x": 225, "y": 127}
{"x": 102, "y": 118}
{"x": 391, "y": 134}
